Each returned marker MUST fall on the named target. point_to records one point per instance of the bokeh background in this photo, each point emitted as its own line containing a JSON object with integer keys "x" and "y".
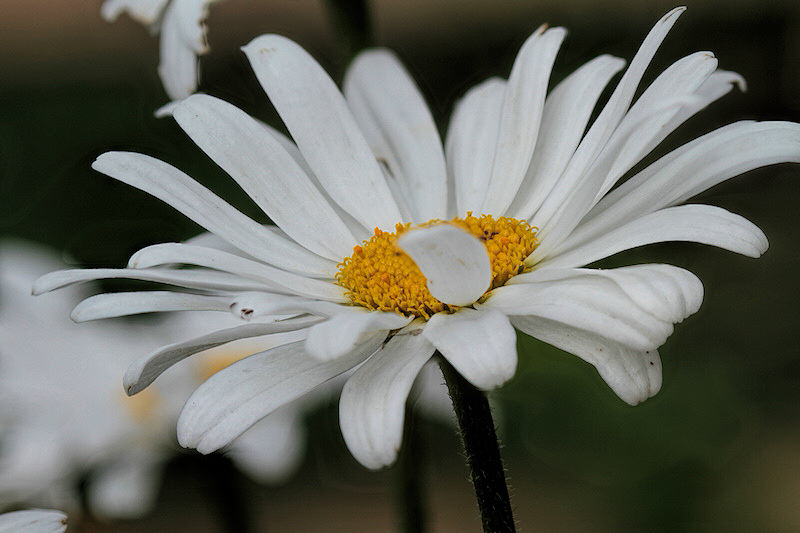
{"x": 718, "y": 449}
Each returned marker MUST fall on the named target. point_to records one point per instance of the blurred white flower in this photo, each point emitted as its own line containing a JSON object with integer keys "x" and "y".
{"x": 433, "y": 276}
{"x": 181, "y": 29}
{"x": 64, "y": 412}
{"x": 33, "y": 521}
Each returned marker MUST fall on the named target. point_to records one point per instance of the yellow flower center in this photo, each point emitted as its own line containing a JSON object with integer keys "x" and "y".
{"x": 380, "y": 276}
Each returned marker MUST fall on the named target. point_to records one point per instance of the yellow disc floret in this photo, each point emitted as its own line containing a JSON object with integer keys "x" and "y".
{"x": 380, "y": 276}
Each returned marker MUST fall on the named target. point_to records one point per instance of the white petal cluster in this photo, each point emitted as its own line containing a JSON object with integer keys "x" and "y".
{"x": 33, "y": 521}
{"x": 181, "y": 29}
{"x": 372, "y": 157}
{"x": 64, "y": 414}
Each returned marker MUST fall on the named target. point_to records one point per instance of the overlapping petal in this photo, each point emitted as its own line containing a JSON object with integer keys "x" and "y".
{"x": 400, "y": 130}
{"x": 566, "y": 113}
{"x": 520, "y": 115}
{"x": 617, "y": 304}
{"x": 108, "y": 305}
{"x": 604, "y": 126}
{"x": 454, "y": 262}
{"x": 705, "y": 224}
{"x": 372, "y": 406}
{"x": 172, "y": 186}
{"x": 274, "y": 278}
{"x": 236, "y": 397}
{"x": 322, "y": 126}
{"x": 480, "y": 344}
{"x": 338, "y": 335}
{"x": 634, "y": 375}
{"x": 267, "y": 172}
{"x": 146, "y": 369}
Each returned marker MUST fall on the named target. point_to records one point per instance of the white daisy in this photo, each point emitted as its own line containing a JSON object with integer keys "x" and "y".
{"x": 33, "y": 521}
{"x": 522, "y": 160}
{"x": 181, "y": 29}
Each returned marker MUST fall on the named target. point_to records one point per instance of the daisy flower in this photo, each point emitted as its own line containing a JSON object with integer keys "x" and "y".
{"x": 180, "y": 25}
{"x": 390, "y": 245}
{"x": 34, "y": 520}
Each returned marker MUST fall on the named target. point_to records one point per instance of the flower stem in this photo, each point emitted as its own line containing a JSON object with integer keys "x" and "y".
{"x": 483, "y": 453}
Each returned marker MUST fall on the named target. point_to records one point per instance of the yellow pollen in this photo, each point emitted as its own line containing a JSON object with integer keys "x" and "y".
{"x": 380, "y": 276}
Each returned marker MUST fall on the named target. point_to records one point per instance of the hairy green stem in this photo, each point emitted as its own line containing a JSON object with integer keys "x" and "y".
{"x": 483, "y": 453}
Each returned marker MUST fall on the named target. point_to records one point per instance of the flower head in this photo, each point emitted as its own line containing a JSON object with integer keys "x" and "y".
{"x": 391, "y": 245}
{"x": 180, "y": 25}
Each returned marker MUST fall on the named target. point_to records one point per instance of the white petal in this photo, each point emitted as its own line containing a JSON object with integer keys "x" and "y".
{"x": 667, "y": 292}
{"x": 339, "y": 334}
{"x": 682, "y": 78}
{"x": 633, "y": 375}
{"x": 193, "y": 279}
{"x": 481, "y": 345}
{"x": 691, "y": 169}
{"x": 399, "y": 128}
{"x": 566, "y": 113}
{"x": 372, "y": 406}
{"x": 520, "y": 116}
{"x": 201, "y": 205}
{"x": 720, "y": 83}
{"x": 578, "y": 201}
{"x": 166, "y": 109}
{"x": 322, "y": 126}
{"x": 357, "y": 228}
{"x": 705, "y": 224}
{"x": 33, "y": 521}
{"x": 269, "y": 175}
{"x": 236, "y": 397}
{"x": 249, "y": 305}
{"x": 471, "y": 142}
{"x": 455, "y": 263}
{"x": 108, "y": 305}
{"x": 166, "y": 253}
{"x": 604, "y": 126}
{"x": 145, "y": 370}
{"x": 586, "y": 300}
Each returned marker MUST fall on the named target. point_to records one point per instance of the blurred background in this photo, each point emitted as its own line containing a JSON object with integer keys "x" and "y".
{"x": 717, "y": 449}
